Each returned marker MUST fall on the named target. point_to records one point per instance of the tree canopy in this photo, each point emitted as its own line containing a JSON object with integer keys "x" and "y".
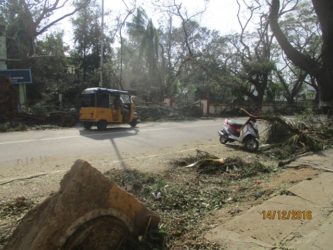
{"x": 320, "y": 68}
{"x": 281, "y": 53}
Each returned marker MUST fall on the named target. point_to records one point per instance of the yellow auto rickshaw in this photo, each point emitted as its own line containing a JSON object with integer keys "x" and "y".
{"x": 103, "y": 106}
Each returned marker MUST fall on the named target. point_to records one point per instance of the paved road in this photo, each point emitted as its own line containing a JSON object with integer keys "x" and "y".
{"x": 31, "y": 152}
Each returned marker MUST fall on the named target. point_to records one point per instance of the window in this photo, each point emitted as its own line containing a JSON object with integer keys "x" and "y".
{"x": 103, "y": 100}
{"x": 88, "y": 100}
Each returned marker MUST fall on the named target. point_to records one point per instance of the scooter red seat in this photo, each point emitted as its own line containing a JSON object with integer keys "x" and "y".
{"x": 234, "y": 123}
{"x": 233, "y": 127}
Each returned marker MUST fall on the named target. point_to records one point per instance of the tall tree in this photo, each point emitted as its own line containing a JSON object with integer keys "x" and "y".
{"x": 182, "y": 46}
{"x": 254, "y": 52}
{"x": 167, "y": 44}
{"x": 145, "y": 54}
{"x": 129, "y": 12}
{"x": 322, "y": 70}
{"x": 28, "y": 19}
{"x": 49, "y": 70}
{"x": 301, "y": 27}
{"x": 87, "y": 34}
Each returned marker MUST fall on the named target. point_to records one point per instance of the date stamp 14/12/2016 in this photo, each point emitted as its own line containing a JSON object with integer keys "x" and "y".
{"x": 286, "y": 214}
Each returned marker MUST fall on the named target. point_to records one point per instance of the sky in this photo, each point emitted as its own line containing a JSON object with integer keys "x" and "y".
{"x": 219, "y": 15}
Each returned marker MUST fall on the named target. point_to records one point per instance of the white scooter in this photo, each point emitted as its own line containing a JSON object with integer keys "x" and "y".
{"x": 246, "y": 133}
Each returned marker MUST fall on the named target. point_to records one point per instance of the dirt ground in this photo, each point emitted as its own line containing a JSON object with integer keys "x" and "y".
{"x": 190, "y": 202}
{"x": 39, "y": 185}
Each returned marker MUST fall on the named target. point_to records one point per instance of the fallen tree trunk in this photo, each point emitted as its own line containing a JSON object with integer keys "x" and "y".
{"x": 303, "y": 137}
{"x": 272, "y": 119}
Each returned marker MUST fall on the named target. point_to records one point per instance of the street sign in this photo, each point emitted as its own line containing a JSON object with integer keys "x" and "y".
{"x": 17, "y": 76}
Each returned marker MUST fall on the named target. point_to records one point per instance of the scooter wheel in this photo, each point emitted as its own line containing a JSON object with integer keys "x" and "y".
{"x": 251, "y": 144}
{"x": 223, "y": 139}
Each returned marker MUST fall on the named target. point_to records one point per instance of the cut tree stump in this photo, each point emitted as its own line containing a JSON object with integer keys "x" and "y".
{"x": 88, "y": 212}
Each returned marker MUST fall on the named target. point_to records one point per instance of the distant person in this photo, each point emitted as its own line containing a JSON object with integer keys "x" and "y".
{"x": 118, "y": 103}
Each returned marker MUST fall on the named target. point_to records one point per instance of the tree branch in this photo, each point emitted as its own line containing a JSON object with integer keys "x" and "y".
{"x": 299, "y": 59}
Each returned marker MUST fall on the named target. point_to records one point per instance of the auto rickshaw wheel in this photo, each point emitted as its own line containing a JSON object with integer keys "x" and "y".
{"x": 102, "y": 124}
{"x": 133, "y": 123}
{"x": 87, "y": 125}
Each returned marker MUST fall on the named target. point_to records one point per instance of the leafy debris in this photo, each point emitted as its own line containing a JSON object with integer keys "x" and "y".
{"x": 10, "y": 214}
{"x": 183, "y": 196}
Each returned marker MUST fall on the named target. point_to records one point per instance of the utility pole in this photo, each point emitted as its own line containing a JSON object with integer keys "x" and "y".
{"x": 3, "y": 48}
{"x": 102, "y": 48}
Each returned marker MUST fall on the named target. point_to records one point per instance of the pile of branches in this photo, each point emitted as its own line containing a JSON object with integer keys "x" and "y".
{"x": 291, "y": 137}
{"x": 160, "y": 112}
{"x": 312, "y": 135}
{"x": 234, "y": 167}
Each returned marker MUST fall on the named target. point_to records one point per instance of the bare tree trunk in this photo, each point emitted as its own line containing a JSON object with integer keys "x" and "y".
{"x": 129, "y": 12}
{"x": 324, "y": 10}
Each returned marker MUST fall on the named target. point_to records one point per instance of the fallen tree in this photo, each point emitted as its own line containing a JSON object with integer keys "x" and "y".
{"x": 299, "y": 131}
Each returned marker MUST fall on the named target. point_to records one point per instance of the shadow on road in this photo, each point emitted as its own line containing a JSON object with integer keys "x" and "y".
{"x": 120, "y": 158}
{"x": 109, "y": 133}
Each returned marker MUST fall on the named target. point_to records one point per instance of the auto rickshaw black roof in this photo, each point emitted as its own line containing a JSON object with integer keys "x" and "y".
{"x": 104, "y": 90}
